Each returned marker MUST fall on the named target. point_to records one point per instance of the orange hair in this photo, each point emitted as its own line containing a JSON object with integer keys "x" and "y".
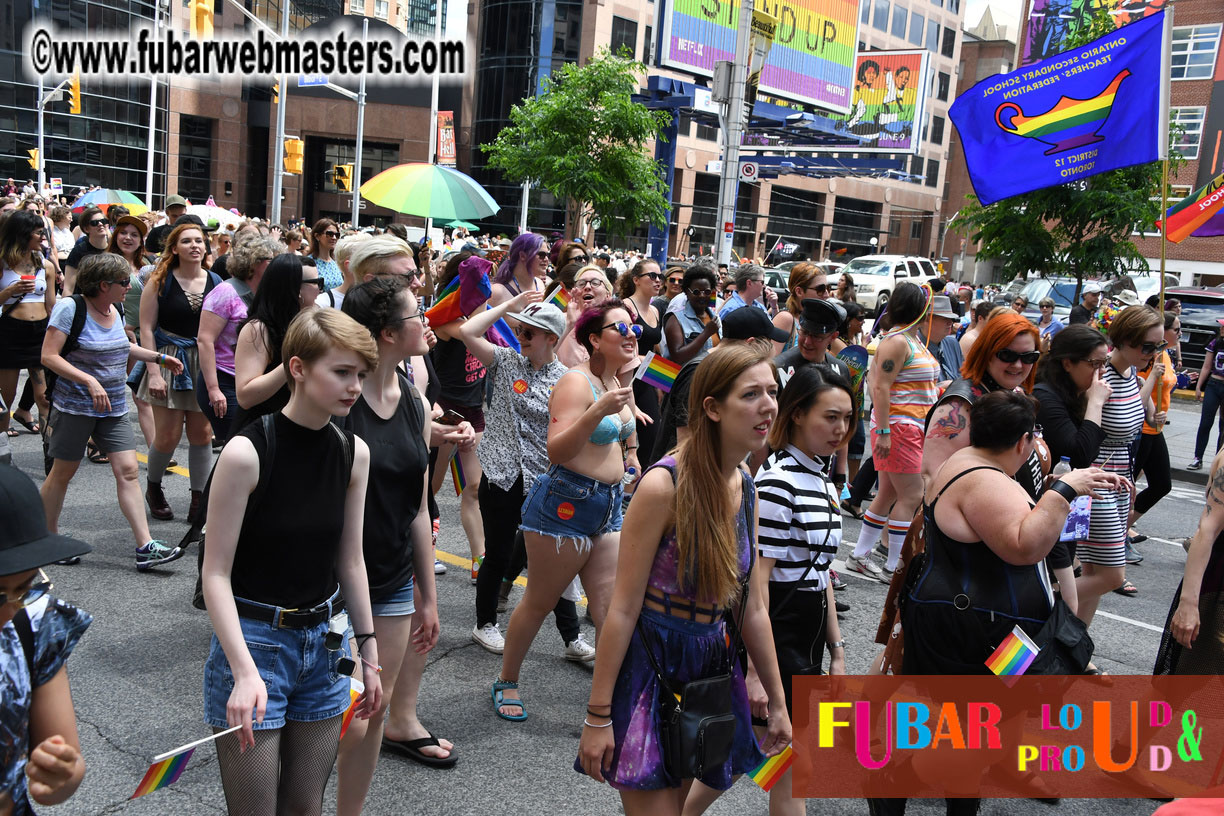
{"x": 998, "y": 334}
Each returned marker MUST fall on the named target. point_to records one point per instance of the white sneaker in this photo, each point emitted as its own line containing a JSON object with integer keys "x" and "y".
{"x": 865, "y": 566}
{"x": 439, "y": 567}
{"x": 489, "y": 637}
{"x": 579, "y": 651}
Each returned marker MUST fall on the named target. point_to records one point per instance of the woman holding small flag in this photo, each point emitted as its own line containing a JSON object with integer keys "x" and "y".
{"x": 274, "y": 576}
{"x": 637, "y": 289}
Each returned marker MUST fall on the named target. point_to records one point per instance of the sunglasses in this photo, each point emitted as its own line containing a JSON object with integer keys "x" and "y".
{"x": 1096, "y": 364}
{"x": 1010, "y": 356}
{"x": 98, "y": 222}
{"x": 331, "y": 234}
{"x": 819, "y": 289}
{"x": 676, "y": 281}
{"x": 525, "y": 332}
{"x": 313, "y": 282}
{"x": 41, "y": 586}
{"x": 701, "y": 293}
{"x": 124, "y": 282}
{"x": 624, "y": 329}
{"x": 581, "y": 258}
{"x": 543, "y": 256}
{"x": 654, "y": 276}
{"x": 588, "y": 283}
{"x": 1152, "y": 348}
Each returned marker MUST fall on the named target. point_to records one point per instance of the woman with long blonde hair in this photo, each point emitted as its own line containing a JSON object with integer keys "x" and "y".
{"x": 677, "y": 572}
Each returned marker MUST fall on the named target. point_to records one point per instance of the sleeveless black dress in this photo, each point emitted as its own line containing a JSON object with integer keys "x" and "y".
{"x": 645, "y": 396}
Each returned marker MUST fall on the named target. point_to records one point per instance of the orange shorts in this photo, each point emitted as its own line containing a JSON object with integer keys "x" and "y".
{"x": 905, "y": 454}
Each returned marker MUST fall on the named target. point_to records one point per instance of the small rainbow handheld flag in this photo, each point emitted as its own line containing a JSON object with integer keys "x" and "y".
{"x": 1014, "y": 655}
{"x": 456, "y": 469}
{"x": 168, "y": 767}
{"x": 356, "y": 689}
{"x": 658, "y": 371}
{"x": 559, "y": 298}
{"x": 770, "y": 771}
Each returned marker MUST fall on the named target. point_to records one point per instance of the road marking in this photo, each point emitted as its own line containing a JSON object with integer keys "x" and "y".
{"x": 1131, "y": 621}
{"x": 181, "y": 471}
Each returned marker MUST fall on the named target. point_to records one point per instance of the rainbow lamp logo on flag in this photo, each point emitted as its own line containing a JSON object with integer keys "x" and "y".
{"x": 658, "y": 371}
{"x": 1014, "y": 655}
{"x": 767, "y": 774}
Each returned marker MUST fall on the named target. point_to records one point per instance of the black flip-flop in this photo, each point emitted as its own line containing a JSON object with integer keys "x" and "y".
{"x": 412, "y": 750}
{"x": 29, "y": 424}
{"x": 1128, "y": 589}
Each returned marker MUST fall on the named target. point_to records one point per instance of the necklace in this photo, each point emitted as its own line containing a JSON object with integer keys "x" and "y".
{"x": 103, "y": 315}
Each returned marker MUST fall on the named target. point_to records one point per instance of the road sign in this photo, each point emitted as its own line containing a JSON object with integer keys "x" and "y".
{"x": 749, "y": 171}
{"x": 311, "y": 80}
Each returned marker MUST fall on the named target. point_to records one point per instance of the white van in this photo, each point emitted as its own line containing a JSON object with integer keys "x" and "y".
{"x": 876, "y": 276}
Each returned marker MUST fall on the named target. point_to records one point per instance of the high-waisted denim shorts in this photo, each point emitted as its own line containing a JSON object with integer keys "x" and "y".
{"x": 394, "y": 604}
{"x": 296, "y": 668}
{"x": 571, "y": 507}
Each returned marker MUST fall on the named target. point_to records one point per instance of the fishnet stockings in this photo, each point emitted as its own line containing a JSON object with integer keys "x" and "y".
{"x": 284, "y": 774}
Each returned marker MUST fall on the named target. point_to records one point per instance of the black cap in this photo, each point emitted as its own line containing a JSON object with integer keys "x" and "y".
{"x": 821, "y": 316}
{"x": 25, "y": 543}
{"x": 749, "y": 323}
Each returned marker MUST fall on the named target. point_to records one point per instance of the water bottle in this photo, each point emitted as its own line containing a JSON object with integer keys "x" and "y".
{"x": 630, "y": 475}
{"x": 1062, "y": 468}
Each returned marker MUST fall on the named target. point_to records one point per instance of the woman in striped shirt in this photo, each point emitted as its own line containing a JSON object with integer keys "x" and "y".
{"x": 1137, "y": 334}
{"x": 902, "y": 382}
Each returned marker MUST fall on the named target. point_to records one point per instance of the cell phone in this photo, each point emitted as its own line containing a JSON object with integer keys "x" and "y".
{"x": 451, "y": 417}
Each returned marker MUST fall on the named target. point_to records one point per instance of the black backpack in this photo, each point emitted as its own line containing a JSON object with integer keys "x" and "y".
{"x": 71, "y": 343}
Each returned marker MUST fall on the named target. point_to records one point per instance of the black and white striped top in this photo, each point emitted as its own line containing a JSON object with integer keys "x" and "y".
{"x": 800, "y": 521}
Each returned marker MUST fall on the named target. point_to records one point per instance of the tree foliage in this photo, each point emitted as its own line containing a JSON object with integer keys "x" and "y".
{"x": 584, "y": 140}
{"x": 1079, "y": 229}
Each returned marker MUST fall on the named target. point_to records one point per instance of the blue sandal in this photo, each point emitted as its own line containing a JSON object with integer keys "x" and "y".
{"x": 499, "y": 700}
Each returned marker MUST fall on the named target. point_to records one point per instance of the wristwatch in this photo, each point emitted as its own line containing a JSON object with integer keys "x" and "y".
{"x": 838, "y": 644}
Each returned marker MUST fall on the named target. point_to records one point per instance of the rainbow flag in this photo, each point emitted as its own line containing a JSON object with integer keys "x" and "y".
{"x": 658, "y": 371}
{"x": 770, "y": 771}
{"x": 560, "y": 298}
{"x": 356, "y": 689}
{"x": 163, "y": 774}
{"x": 446, "y": 308}
{"x": 456, "y": 469}
{"x": 1014, "y": 655}
{"x": 1200, "y": 214}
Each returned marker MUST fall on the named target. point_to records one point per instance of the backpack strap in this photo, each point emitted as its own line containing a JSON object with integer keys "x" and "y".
{"x": 25, "y": 633}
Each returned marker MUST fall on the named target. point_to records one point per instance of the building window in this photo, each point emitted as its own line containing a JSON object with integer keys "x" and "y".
{"x": 942, "y": 90}
{"x": 624, "y": 35}
{"x": 954, "y": 6}
{"x": 864, "y": 13}
{"x": 917, "y": 165}
{"x": 894, "y": 227}
{"x": 932, "y": 41}
{"x": 1191, "y": 136}
{"x": 356, "y": 6}
{"x": 195, "y": 157}
{"x": 1194, "y": 50}
{"x": 900, "y": 14}
{"x": 706, "y": 132}
{"x": 937, "y": 130}
{"x": 647, "y": 44}
{"x": 917, "y": 23}
{"x": 881, "y": 15}
{"x": 937, "y": 3}
{"x": 382, "y": 8}
{"x": 949, "y": 42}
{"x": 916, "y": 229}
{"x": 932, "y": 174}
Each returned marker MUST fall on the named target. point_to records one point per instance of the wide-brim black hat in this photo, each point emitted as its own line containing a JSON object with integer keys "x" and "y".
{"x": 821, "y": 316}
{"x": 25, "y": 543}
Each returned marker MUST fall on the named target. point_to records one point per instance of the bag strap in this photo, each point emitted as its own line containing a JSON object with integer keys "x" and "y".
{"x": 25, "y": 633}
{"x": 78, "y": 325}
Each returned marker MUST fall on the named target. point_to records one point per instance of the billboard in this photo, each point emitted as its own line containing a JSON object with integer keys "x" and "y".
{"x": 888, "y": 103}
{"x": 812, "y": 58}
{"x": 1050, "y": 22}
{"x": 446, "y": 138}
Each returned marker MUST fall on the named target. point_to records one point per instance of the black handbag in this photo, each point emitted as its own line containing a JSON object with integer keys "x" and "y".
{"x": 1066, "y": 646}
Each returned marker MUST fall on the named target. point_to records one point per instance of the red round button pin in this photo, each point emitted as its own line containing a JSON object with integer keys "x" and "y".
{"x": 565, "y": 511}
{"x": 520, "y": 386}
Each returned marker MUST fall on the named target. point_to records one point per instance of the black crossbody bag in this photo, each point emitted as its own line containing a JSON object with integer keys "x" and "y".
{"x": 696, "y": 720}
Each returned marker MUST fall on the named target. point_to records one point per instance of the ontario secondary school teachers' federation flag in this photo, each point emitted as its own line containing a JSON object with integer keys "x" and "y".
{"x": 1199, "y": 214}
{"x": 1095, "y": 108}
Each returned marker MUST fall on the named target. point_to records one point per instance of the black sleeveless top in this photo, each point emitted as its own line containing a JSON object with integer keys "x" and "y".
{"x": 460, "y": 375}
{"x": 651, "y": 335}
{"x": 179, "y": 312}
{"x": 287, "y": 549}
{"x": 968, "y": 575}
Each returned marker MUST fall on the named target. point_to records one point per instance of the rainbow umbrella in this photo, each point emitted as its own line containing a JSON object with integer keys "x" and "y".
{"x": 429, "y": 191}
{"x": 103, "y": 199}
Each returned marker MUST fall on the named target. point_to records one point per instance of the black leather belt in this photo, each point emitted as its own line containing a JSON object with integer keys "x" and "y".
{"x": 282, "y": 618}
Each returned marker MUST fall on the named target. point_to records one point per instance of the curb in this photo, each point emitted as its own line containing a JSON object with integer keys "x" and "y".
{"x": 1198, "y": 477}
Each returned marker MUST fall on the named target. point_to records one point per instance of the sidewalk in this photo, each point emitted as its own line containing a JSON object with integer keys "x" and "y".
{"x": 1184, "y": 415}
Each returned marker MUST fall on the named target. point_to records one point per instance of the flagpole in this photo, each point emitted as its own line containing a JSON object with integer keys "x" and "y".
{"x": 1166, "y": 63}
{"x": 182, "y": 748}
{"x": 1164, "y": 225}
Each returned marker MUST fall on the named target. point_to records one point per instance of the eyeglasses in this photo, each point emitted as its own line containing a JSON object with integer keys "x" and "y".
{"x": 98, "y": 222}
{"x": 676, "y": 281}
{"x": 313, "y": 282}
{"x": 543, "y": 256}
{"x": 581, "y": 258}
{"x": 524, "y": 332}
{"x": 1011, "y": 356}
{"x": 420, "y": 313}
{"x": 654, "y": 276}
{"x": 264, "y": 259}
{"x": 819, "y": 289}
{"x": 124, "y": 282}
{"x": 41, "y": 586}
{"x": 701, "y": 293}
{"x": 586, "y": 283}
{"x": 1096, "y": 364}
{"x": 624, "y": 329}
{"x": 331, "y": 234}
{"x": 1152, "y": 348}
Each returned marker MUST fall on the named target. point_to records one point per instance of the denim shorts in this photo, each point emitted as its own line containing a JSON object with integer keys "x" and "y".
{"x": 296, "y": 667}
{"x": 571, "y": 507}
{"x": 394, "y": 604}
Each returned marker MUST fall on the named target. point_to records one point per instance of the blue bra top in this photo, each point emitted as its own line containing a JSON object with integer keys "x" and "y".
{"x": 609, "y": 430}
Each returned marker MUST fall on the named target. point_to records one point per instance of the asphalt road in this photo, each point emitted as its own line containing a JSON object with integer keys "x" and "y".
{"x": 137, "y": 675}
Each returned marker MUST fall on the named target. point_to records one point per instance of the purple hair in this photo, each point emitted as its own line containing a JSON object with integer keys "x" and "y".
{"x": 524, "y": 246}
{"x": 590, "y": 321}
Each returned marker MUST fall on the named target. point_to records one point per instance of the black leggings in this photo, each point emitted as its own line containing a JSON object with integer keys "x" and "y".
{"x": 1152, "y": 460}
{"x": 500, "y": 514}
{"x": 861, "y": 486}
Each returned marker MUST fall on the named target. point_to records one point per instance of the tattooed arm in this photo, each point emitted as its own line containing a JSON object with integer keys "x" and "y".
{"x": 947, "y": 432}
{"x": 1185, "y": 623}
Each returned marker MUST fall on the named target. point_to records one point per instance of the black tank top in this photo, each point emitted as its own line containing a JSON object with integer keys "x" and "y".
{"x": 286, "y": 554}
{"x": 651, "y": 335}
{"x": 175, "y": 312}
{"x": 460, "y": 375}
{"x": 970, "y": 575}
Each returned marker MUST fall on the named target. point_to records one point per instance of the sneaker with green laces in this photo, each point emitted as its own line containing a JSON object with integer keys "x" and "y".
{"x": 156, "y": 552}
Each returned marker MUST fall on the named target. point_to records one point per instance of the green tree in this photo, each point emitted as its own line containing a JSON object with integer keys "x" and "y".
{"x": 584, "y": 140}
{"x": 1080, "y": 229}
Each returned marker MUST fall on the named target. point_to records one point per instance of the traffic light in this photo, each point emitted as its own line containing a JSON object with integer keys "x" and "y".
{"x": 342, "y": 177}
{"x": 201, "y": 15}
{"x": 74, "y": 94}
{"x": 276, "y": 92}
{"x": 33, "y": 160}
{"x": 294, "y": 158}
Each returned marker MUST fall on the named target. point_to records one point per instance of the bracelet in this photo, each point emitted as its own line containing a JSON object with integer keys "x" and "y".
{"x": 361, "y": 639}
{"x": 839, "y": 644}
{"x": 161, "y": 360}
{"x": 883, "y": 431}
{"x": 635, "y": 447}
{"x": 597, "y": 714}
{"x": 590, "y": 724}
{"x": 1063, "y": 489}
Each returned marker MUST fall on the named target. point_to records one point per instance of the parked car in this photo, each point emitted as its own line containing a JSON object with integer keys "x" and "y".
{"x": 1202, "y": 308}
{"x": 876, "y": 276}
{"x": 1148, "y": 286}
{"x": 1062, "y": 291}
{"x": 777, "y": 277}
